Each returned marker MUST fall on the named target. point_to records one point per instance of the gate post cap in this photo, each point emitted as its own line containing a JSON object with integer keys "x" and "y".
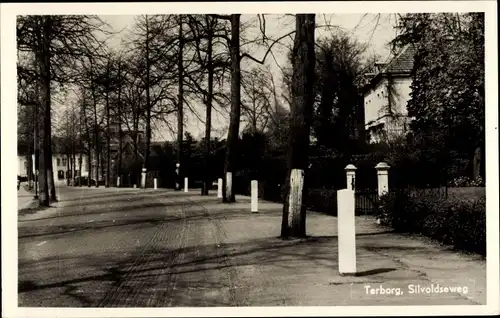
{"x": 382, "y": 166}
{"x": 144, "y": 170}
{"x": 350, "y": 167}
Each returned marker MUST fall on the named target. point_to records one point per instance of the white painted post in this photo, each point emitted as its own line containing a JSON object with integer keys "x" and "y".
{"x": 351, "y": 176}
{"x": 219, "y": 188}
{"x": 155, "y": 183}
{"x": 135, "y": 185}
{"x": 346, "y": 232}
{"x": 143, "y": 178}
{"x": 255, "y": 196}
{"x": 383, "y": 178}
{"x": 295, "y": 196}
{"x": 118, "y": 182}
{"x": 229, "y": 182}
{"x": 186, "y": 186}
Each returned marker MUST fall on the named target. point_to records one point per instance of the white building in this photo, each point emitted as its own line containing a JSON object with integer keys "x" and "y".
{"x": 386, "y": 96}
{"x": 59, "y": 163}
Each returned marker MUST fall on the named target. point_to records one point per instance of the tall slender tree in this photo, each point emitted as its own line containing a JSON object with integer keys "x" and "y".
{"x": 57, "y": 43}
{"x": 180, "y": 104}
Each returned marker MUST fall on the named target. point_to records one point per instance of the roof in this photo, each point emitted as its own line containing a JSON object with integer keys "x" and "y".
{"x": 401, "y": 65}
{"x": 403, "y": 62}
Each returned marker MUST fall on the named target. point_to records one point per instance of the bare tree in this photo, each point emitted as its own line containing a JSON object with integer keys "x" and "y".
{"x": 258, "y": 99}
{"x": 180, "y": 108}
{"x": 212, "y": 64}
{"x": 234, "y": 123}
{"x": 57, "y": 43}
{"x": 154, "y": 64}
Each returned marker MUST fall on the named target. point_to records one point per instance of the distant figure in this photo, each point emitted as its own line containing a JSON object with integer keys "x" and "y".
{"x": 18, "y": 183}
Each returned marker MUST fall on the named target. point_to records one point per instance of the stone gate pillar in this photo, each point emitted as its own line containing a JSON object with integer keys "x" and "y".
{"x": 350, "y": 170}
{"x": 383, "y": 178}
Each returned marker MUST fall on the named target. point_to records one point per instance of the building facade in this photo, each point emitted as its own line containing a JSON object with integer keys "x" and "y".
{"x": 386, "y": 96}
{"x": 59, "y": 164}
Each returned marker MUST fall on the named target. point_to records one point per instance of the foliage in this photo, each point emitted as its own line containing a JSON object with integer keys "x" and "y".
{"x": 337, "y": 90}
{"x": 459, "y": 223}
{"x": 447, "y": 99}
{"x": 464, "y": 181}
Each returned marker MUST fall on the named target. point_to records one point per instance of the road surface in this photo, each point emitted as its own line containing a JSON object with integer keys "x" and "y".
{"x": 161, "y": 248}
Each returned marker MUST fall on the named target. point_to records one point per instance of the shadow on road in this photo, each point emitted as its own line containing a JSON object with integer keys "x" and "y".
{"x": 115, "y": 206}
{"x": 185, "y": 263}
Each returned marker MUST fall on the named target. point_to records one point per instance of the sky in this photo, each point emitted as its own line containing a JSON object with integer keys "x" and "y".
{"x": 375, "y": 30}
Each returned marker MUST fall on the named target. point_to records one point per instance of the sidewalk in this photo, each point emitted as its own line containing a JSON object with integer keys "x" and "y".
{"x": 25, "y": 198}
{"x": 307, "y": 269}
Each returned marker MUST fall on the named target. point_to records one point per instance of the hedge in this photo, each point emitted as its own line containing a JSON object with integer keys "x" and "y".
{"x": 460, "y": 223}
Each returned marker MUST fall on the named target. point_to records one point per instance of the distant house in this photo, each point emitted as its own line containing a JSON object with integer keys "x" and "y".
{"x": 60, "y": 160}
{"x": 386, "y": 96}
{"x": 59, "y": 164}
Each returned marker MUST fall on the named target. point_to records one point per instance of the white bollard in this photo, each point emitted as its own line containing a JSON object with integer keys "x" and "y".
{"x": 350, "y": 171}
{"x": 383, "y": 178}
{"x": 186, "y": 186}
{"x": 155, "y": 183}
{"x": 219, "y": 188}
{"x": 346, "y": 232}
{"x": 143, "y": 178}
{"x": 135, "y": 185}
{"x": 118, "y": 182}
{"x": 255, "y": 196}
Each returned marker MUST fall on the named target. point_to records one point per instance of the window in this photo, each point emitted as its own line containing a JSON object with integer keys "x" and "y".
{"x": 64, "y": 161}
{"x": 58, "y": 162}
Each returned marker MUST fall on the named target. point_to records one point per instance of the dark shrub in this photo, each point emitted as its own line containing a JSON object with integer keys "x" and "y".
{"x": 453, "y": 222}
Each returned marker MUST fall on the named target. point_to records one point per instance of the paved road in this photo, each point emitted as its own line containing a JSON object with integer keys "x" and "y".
{"x": 159, "y": 248}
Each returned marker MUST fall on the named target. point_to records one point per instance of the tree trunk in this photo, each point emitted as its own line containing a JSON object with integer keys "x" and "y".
{"x": 89, "y": 162}
{"x": 234, "y": 123}
{"x": 81, "y": 145}
{"x": 43, "y": 58}
{"x": 136, "y": 150}
{"x": 50, "y": 171}
{"x": 108, "y": 143}
{"x": 148, "y": 100}
{"x": 208, "y": 121}
{"x": 294, "y": 211}
{"x": 96, "y": 140}
{"x": 68, "y": 158}
{"x": 101, "y": 160}
{"x": 80, "y": 161}
{"x": 180, "y": 108}
{"x": 29, "y": 158}
{"x": 73, "y": 169}
{"x": 120, "y": 140}
{"x": 36, "y": 145}
{"x": 30, "y": 168}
